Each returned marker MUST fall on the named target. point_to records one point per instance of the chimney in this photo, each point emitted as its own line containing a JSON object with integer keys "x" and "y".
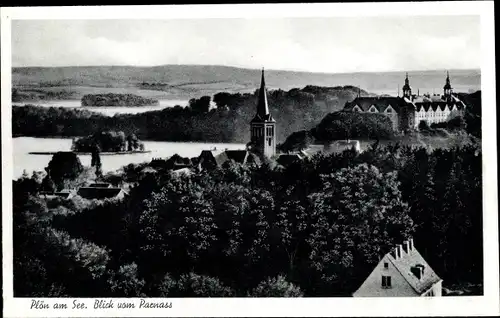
{"x": 395, "y": 253}
{"x": 400, "y": 247}
{"x": 412, "y": 247}
{"x": 406, "y": 246}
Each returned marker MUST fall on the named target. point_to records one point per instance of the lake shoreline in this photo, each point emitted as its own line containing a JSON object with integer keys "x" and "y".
{"x": 89, "y": 153}
{"x": 152, "y": 140}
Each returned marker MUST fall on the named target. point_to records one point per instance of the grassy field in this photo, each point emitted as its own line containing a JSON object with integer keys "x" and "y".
{"x": 188, "y": 81}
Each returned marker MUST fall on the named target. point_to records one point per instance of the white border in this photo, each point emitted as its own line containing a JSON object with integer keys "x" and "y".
{"x": 237, "y": 307}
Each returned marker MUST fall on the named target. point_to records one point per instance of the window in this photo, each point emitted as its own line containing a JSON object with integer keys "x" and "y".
{"x": 386, "y": 265}
{"x": 386, "y": 281}
{"x": 269, "y": 141}
{"x": 389, "y": 110}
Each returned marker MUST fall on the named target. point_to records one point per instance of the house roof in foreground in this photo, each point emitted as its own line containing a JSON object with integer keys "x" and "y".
{"x": 404, "y": 265}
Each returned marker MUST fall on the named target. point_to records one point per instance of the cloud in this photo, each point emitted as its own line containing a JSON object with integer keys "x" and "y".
{"x": 312, "y": 44}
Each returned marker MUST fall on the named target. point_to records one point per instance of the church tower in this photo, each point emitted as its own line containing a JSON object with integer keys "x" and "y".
{"x": 447, "y": 87}
{"x": 407, "y": 88}
{"x": 263, "y": 126}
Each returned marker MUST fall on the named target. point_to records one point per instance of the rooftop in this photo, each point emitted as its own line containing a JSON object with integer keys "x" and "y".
{"x": 409, "y": 259}
{"x": 99, "y": 193}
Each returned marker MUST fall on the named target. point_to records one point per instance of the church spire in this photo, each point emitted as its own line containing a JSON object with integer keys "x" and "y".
{"x": 262, "y": 107}
{"x": 263, "y": 126}
{"x": 447, "y": 86}
{"x": 407, "y": 87}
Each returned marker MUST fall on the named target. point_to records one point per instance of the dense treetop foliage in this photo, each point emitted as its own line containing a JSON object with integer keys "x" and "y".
{"x": 111, "y": 99}
{"x": 108, "y": 141}
{"x": 296, "y": 109}
{"x": 314, "y": 228}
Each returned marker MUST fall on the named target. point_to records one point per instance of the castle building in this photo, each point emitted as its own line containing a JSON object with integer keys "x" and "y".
{"x": 263, "y": 126}
{"x": 408, "y": 111}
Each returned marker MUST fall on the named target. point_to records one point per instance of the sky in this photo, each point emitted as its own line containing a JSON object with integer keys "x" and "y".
{"x": 330, "y": 45}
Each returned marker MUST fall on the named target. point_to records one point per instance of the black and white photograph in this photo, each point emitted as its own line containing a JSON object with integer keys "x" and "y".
{"x": 247, "y": 157}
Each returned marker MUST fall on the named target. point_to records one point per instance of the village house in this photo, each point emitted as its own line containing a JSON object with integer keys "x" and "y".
{"x": 64, "y": 194}
{"x": 408, "y": 111}
{"x": 210, "y": 159}
{"x": 100, "y": 193}
{"x": 402, "y": 272}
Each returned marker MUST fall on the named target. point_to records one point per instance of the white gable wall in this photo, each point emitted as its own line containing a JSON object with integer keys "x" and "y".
{"x": 372, "y": 286}
{"x": 357, "y": 109}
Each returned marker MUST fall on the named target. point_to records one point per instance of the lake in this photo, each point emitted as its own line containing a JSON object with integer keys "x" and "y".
{"x": 163, "y": 149}
{"x": 109, "y": 111}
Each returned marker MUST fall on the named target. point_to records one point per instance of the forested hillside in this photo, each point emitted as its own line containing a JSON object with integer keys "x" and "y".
{"x": 296, "y": 109}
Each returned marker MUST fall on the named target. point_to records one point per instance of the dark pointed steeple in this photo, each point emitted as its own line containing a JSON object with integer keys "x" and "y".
{"x": 262, "y": 107}
{"x": 447, "y": 86}
{"x": 263, "y": 113}
{"x": 407, "y": 88}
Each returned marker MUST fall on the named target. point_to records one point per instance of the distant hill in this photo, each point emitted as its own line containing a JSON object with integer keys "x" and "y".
{"x": 188, "y": 81}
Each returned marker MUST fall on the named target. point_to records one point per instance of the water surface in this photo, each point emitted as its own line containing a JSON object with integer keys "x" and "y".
{"x": 163, "y": 149}
{"x": 107, "y": 110}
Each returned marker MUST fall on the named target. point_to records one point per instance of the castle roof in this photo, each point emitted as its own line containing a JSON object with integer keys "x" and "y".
{"x": 437, "y": 101}
{"x": 380, "y": 103}
{"x": 263, "y": 114}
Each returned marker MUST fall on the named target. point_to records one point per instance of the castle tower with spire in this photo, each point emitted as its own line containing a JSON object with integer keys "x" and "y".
{"x": 263, "y": 126}
{"x": 448, "y": 90}
{"x": 407, "y": 88}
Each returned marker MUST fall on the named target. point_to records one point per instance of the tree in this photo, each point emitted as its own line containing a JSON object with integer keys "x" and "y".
{"x": 125, "y": 282}
{"x": 222, "y": 100}
{"x": 132, "y": 142}
{"x": 423, "y": 126}
{"x": 64, "y": 166}
{"x": 48, "y": 184}
{"x": 194, "y": 285}
{"x": 276, "y": 287}
{"x": 201, "y": 105}
{"x": 177, "y": 223}
{"x": 96, "y": 160}
{"x": 356, "y": 218}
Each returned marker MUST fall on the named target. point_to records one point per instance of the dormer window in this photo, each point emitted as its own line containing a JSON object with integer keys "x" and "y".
{"x": 386, "y": 282}
{"x": 373, "y": 109}
{"x": 418, "y": 271}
